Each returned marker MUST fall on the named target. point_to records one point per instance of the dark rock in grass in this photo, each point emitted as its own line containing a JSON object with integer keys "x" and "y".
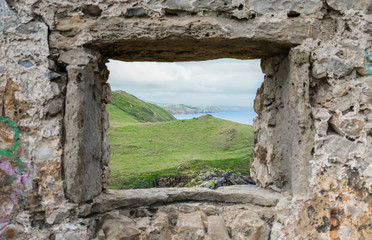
{"x": 213, "y": 178}
{"x": 163, "y": 182}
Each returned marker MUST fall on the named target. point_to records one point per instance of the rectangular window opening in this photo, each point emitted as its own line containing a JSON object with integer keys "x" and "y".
{"x": 181, "y": 124}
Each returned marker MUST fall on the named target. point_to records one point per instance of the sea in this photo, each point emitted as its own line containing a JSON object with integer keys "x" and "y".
{"x": 245, "y": 117}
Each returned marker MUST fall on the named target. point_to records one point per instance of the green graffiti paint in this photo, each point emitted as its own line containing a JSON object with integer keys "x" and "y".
{"x": 16, "y": 134}
{"x": 10, "y": 152}
{"x": 15, "y": 177}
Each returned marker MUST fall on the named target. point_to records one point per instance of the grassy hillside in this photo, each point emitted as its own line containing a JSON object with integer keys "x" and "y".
{"x": 141, "y": 152}
{"x": 118, "y": 117}
{"x": 138, "y": 109}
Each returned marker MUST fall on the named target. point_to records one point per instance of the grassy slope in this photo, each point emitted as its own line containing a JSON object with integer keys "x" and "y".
{"x": 119, "y": 118}
{"x": 140, "y": 110}
{"x": 142, "y": 151}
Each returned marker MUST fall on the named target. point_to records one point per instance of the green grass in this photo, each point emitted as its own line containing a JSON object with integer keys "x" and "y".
{"x": 138, "y": 109}
{"x": 188, "y": 168}
{"x": 147, "y": 142}
{"x": 119, "y": 118}
{"x": 141, "y": 152}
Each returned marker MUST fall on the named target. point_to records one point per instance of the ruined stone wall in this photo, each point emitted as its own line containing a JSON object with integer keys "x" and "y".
{"x": 313, "y": 137}
{"x": 316, "y": 136}
{"x": 32, "y": 102}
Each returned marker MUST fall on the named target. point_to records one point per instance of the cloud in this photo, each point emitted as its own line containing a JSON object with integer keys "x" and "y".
{"x": 223, "y": 82}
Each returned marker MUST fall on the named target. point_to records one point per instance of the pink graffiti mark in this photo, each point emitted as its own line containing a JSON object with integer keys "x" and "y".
{"x": 22, "y": 178}
{"x": 3, "y": 223}
{"x": 19, "y": 177}
{"x": 6, "y": 167}
{"x": 16, "y": 175}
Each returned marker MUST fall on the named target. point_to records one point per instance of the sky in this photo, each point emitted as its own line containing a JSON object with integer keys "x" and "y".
{"x": 222, "y": 82}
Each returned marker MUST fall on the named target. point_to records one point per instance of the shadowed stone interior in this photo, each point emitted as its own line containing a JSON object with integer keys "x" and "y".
{"x": 189, "y": 49}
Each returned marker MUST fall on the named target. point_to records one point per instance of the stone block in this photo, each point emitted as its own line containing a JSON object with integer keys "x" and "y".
{"x": 83, "y": 145}
{"x": 274, "y": 6}
{"x": 217, "y": 228}
{"x": 344, "y": 5}
{"x": 119, "y": 228}
{"x": 190, "y": 226}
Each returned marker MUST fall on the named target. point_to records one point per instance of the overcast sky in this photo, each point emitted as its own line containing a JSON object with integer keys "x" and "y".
{"x": 223, "y": 82}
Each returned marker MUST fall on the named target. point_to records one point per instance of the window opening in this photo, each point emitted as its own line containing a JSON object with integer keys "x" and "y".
{"x": 181, "y": 124}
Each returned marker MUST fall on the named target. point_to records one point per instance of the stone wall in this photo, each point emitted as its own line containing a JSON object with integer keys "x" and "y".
{"x": 313, "y": 135}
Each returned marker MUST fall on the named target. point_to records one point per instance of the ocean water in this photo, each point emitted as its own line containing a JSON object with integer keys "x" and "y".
{"x": 245, "y": 117}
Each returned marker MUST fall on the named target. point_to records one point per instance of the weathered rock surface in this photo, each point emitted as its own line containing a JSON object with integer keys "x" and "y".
{"x": 217, "y": 228}
{"x": 118, "y": 227}
{"x": 190, "y": 226}
{"x": 312, "y": 134}
{"x": 344, "y": 5}
{"x": 185, "y": 221}
{"x": 116, "y": 199}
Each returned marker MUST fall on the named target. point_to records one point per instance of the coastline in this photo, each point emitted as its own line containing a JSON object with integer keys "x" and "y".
{"x": 244, "y": 117}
